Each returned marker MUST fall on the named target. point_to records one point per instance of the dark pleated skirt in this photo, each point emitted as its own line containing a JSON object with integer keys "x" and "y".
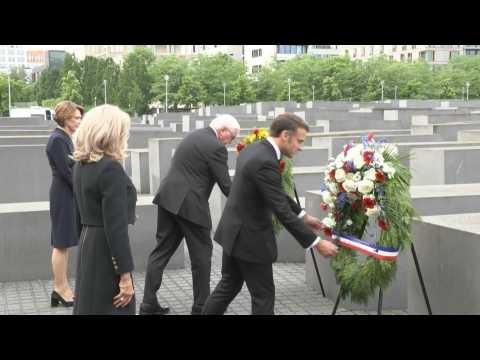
{"x": 96, "y": 281}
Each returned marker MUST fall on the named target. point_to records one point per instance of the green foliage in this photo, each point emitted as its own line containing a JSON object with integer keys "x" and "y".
{"x": 71, "y": 88}
{"x": 288, "y": 186}
{"x": 135, "y": 76}
{"x": 199, "y": 80}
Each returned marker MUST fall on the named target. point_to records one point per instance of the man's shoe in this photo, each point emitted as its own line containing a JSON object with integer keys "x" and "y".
{"x": 148, "y": 309}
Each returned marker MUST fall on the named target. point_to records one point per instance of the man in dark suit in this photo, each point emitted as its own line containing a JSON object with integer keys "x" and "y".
{"x": 245, "y": 230}
{"x": 199, "y": 162}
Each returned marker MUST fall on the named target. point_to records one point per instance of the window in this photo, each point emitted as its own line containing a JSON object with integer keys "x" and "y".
{"x": 409, "y": 57}
{"x": 472, "y": 51}
{"x": 256, "y": 68}
{"x": 346, "y": 52}
{"x": 404, "y": 47}
{"x": 382, "y": 49}
{"x": 322, "y": 46}
{"x": 355, "y": 52}
{"x": 371, "y": 50}
{"x": 414, "y": 47}
{"x": 394, "y": 47}
{"x": 428, "y": 55}
{"x": 402, "y": 57}
{"x": 256, "y": 53}
{"x": 292, "y": 49}
{"x": 454, "y": 54}
{"x": 193, "y": 48}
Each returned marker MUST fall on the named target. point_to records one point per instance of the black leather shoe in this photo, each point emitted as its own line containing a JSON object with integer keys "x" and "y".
{"x": 148, "y": 309}
{"x": 56, "y": 299}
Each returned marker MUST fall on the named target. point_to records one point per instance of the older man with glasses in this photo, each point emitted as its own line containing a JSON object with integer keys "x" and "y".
{"x": 199, "y": 162}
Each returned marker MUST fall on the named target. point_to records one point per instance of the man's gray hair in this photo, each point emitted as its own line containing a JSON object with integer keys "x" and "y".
{"x": 225, "y": 121}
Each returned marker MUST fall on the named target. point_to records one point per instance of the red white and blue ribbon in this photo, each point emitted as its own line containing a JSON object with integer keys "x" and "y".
{"x": 368, "y": 248}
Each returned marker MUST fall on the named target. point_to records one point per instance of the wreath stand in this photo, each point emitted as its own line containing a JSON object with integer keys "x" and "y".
{"x": 380, "y": 291}
{"x": 311, "y": 250}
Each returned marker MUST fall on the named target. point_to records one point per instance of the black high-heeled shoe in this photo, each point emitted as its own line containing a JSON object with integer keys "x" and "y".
{"x": 56, "y": 299}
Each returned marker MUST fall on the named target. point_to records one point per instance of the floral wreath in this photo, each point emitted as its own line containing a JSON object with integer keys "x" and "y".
{"x": 285, "y": 167}
{"x": 366, "y": 185}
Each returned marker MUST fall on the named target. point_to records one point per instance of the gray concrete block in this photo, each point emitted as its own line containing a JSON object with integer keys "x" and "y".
{"x": 160, "y": 155}
{"x": 140, "y": 170}
{"x": 452, "y": 165}
{"x": 430, "y": 200}
{"x": 447, "y": 247}
{"x": 26, "y": 174}
{"x": 25, "y": 240}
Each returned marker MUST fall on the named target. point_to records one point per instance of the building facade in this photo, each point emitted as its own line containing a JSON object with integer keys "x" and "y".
{"x": 12, "y": 56}
{"x": 432, "y": 54}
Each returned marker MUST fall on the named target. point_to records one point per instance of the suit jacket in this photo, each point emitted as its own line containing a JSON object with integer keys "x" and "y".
{"x": 105, "y": 196}
{"x": 199, "y": 161}
{"x": 245, "y": 229}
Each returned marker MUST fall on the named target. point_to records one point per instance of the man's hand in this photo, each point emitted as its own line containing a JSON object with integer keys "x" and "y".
{"x": 326, "y": 248}
{"x": 313, "y": 223}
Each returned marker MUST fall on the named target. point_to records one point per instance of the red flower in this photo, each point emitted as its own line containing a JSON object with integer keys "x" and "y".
{"x": 256, "y": 132}
{"x": 355, "y": 205}
{"x": 383, "y": 224}
{"x": 331, "y": 173}
{"x": 370, "y": 136}
{"x": 346, "y": 147}
{"x": 323, "y": 206}
{"x": 346, "y": 167}
{"x": 327, "y": 231}
{"x": 368, "y": 156}
{"x": 379, "y": 176}
{"x": 240, "y": 147}
{"x": 368, "y": 202}
{"x": 281, "y": 165}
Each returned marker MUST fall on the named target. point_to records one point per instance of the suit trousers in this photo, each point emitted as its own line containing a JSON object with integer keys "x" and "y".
{"x": 171, "y": 229}
{"x": 259, "y": 280}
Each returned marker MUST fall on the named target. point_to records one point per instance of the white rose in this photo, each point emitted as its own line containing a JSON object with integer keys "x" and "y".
{"x": 339, "y": 161}
{"x": 373, "y": 211}
{"x": 355, "y": 151}
{"x": 349, "y": 222}
{"x": 340, "y": 175}
{"x": 358, "y": 161}
{"x": 365, "y": 186}
{"x": 357, "y": 177}
{"x": 329, "y": 222}
{"x": 333, "y": 188}
{"x": 327, "y": 198}
{"x": 379, "y": 158}
{"x": 369, "y": 174}
{"x": 350, "y": 186}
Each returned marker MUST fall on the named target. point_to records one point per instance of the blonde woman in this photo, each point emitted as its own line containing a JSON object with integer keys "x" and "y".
{"x": 59, "y": 150}
{"x": 104, "y": 199}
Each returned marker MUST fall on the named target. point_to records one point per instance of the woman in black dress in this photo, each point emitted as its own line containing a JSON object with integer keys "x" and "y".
{"x": 104, "y": 203}
{"x": 59, "y": 151}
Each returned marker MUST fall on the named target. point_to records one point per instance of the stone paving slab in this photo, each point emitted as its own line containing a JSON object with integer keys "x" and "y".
{"x": 293, "y": 296}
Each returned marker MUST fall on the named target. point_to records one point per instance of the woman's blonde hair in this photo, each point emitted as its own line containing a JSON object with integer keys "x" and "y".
{"x": 103, "y": 131}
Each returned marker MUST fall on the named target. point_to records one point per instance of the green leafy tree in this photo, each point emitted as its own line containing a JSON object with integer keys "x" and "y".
{"x": 135, "y": 74}
{"x": 71, "y": 89}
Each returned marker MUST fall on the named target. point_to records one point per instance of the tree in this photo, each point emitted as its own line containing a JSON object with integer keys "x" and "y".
{"x": 135, "y": 75}
{"x": 71, "y": 88}
{"x": 177, "y": 69}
